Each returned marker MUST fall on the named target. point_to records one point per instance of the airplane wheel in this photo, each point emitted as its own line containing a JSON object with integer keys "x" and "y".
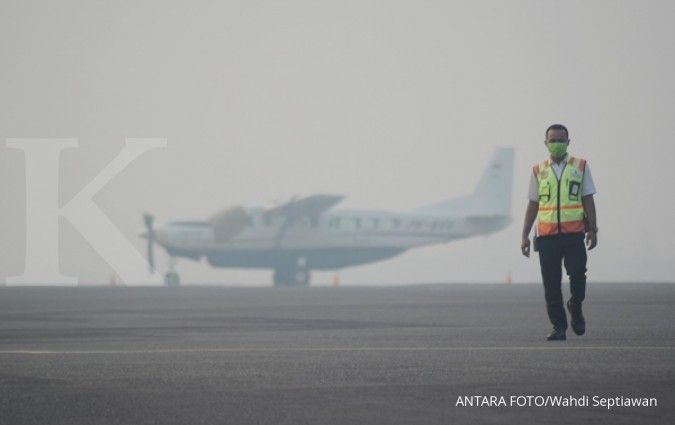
{"x": 301, "y": 277}
{"x": 292, "y": 277}
{"x": 172, "y": 279}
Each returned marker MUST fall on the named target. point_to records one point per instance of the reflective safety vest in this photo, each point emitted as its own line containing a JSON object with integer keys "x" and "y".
{"x": 560, "y": 207}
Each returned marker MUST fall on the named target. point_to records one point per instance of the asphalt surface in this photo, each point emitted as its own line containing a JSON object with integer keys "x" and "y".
{"x": 348, "y": 355}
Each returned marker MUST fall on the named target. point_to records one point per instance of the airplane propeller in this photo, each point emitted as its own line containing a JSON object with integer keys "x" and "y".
{"x": 148, "y": 220}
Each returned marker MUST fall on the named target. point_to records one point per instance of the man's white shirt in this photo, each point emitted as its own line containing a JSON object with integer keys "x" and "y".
{"x": 587, "y": 185}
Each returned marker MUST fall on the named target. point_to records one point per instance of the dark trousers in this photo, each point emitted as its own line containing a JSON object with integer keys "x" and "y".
{"x": 569, "y": 249}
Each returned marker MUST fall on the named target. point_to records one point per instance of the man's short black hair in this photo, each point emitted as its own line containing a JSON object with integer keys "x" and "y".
{"x": 557, "y": 127}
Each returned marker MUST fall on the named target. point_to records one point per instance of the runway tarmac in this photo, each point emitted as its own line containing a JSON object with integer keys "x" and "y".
{"x": 324, "y": 355}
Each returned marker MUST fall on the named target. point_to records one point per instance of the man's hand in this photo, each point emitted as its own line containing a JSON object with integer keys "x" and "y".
{"x": 525, "y": 246}
{"x": 530, "y": 216}
{"x": 591, "y": 239}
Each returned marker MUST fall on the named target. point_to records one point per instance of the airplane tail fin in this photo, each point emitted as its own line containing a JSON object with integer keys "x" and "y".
{"x": 491, "y": 196}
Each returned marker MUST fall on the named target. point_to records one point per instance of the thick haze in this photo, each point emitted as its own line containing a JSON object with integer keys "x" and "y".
{"x": 394, "y": 104}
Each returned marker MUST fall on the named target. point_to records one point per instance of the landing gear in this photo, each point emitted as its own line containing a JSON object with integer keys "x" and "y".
{"x": 285, "y": 277}
{"x": 172, "y": 278}
{"x": 301, "y": 277}
{"x": 293, "y": 275}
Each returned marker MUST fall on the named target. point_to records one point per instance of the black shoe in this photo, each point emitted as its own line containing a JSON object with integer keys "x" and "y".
{"x": 557, "y": 334}
{"x": 577, "y": 318}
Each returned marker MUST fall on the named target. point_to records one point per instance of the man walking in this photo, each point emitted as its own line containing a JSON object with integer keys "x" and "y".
{"x": 561, "y": 199}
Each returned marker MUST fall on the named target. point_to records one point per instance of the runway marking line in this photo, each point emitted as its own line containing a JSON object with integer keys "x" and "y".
{"x": 331, "y": 349}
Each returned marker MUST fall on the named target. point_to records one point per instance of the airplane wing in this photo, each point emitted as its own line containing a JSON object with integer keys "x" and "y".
{"x": 310, "y": 206}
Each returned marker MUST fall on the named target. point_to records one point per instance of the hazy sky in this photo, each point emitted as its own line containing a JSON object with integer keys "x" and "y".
{"x": 394, "y": 104}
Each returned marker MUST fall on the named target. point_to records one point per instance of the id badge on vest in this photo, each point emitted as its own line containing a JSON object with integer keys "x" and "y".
{"x": 575, "y": 190}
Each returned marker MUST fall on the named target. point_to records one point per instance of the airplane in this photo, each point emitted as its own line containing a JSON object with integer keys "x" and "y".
{"x": 307, "y": 234}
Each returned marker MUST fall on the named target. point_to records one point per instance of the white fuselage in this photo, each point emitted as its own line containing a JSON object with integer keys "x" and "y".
{"x": 349, "y": 236}
{"x": 308, "y": 233}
